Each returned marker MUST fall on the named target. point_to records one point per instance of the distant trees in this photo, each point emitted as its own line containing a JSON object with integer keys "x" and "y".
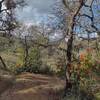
{"x": 7, "y": 19}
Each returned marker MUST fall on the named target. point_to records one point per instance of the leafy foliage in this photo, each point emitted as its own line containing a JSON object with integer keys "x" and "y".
{"x": 34, "y": 64}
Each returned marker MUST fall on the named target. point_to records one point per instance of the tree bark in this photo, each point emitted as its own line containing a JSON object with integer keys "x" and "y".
{"x": 70, "y": 47}
{"x": 26, "y": 52}
{"x": 2, "y": 61}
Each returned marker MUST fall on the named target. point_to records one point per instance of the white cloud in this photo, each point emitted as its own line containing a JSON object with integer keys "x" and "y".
{"x": 35, "y": 11}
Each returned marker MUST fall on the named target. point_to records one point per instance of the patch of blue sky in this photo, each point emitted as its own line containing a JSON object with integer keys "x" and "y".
{"x": 85, "y": 22}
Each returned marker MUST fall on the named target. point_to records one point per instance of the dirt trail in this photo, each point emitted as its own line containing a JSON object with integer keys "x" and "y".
{"x": 34, "y": 87}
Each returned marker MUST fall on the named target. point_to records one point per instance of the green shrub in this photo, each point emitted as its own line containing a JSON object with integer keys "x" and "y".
{"x": 34, "y": 64}
{"x": 46, "y": 70}
{"x": 35, "y": 69}
{"x": 61, "y": 72}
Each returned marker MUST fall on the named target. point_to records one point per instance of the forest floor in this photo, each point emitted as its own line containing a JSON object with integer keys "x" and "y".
{"x": 34, "y": 87}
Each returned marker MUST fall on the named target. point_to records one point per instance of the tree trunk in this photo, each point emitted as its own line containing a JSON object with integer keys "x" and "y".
{"x": 68, "y": 65}
{"x": 70, "y": 45}
{"x": 2, "y": 61}
{"x": 26, "y": 52}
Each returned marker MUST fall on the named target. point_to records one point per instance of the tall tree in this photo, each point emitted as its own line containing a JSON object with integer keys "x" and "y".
{"x": 75, "y": 13}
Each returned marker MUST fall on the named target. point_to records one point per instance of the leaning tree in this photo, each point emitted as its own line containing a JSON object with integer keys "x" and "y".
{"x": 7, "y": 18}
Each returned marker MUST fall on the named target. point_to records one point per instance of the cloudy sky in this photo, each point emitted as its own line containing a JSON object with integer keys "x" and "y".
{"x": 35, "y": 11}
{"x": 38, "y": 11}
